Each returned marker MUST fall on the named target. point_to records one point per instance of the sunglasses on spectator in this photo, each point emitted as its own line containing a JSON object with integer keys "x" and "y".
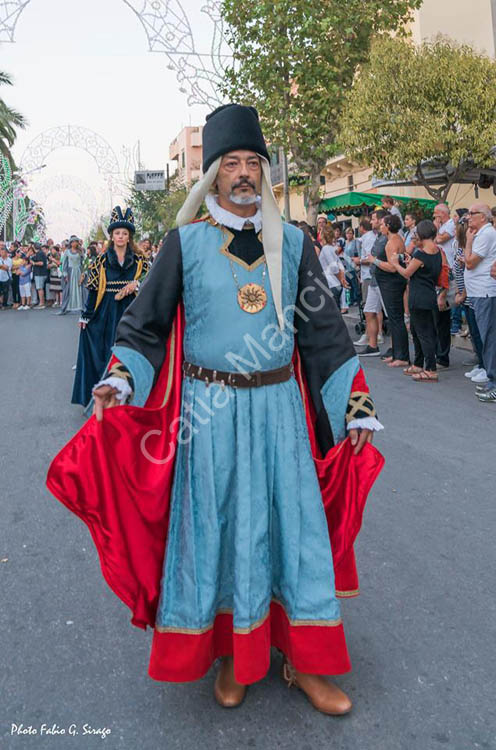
{"x": 473, "y": 213}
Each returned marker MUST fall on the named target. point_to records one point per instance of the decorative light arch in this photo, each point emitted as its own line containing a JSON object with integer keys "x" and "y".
{"x": 74, "y": 136}
{"x": 168, "y": 31}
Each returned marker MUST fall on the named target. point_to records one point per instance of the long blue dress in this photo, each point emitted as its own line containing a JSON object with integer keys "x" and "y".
{"x": 102, "y": 314}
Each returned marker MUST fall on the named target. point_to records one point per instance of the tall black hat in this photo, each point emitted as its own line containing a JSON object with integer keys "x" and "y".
{"x": 230, "y": 128}
{"x": 118, "y": 220}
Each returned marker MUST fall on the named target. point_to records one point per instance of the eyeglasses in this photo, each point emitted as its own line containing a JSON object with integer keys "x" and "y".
{"x": 473, "y": 213}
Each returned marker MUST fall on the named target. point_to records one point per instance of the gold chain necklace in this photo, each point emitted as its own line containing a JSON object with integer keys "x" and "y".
{"x": 252, "y": 298}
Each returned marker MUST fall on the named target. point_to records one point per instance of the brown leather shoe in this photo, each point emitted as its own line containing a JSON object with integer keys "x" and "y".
{"x": 228, "y": 693}
{"x": 323, "y": 695}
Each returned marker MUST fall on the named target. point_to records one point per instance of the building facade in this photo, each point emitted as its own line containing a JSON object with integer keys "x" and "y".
{"x": 186, "y": 150}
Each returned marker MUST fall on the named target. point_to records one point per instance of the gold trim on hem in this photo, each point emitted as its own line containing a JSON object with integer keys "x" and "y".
{"x": 347, "y": 594}
{"x": 253, "y": 626}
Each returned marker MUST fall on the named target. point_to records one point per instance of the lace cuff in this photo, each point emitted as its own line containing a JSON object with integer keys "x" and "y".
{"x": 366, "y": 423}
{"x": 124, "y": 390}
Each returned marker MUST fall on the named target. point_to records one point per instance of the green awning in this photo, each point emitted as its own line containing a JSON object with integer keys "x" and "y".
{"x": 352, "y": 203}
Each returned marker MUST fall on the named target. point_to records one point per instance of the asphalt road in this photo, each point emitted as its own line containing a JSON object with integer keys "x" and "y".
{"x": 422, "y": 635}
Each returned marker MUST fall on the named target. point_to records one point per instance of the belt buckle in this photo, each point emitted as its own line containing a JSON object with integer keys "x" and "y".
{"x": 258, "y": 378}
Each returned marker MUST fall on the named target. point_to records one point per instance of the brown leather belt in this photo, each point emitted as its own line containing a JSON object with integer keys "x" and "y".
{"x": 239, "y": 379}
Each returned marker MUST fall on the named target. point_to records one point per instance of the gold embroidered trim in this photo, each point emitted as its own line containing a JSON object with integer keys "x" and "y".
{"x": 347, "y": 594}
{"x": 170, "y": 376}
{"x": 253, "y": 626}
{"x": 229, "y": 238}
{"x": 360, "y": 405}
{"x": 102, "y": 284}
{"x": 118, "y": 370}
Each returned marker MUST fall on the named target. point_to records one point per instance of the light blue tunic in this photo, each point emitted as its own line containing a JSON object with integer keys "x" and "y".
{"x": 247, "y": 522}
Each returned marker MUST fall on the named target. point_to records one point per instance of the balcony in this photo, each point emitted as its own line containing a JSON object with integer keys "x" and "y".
{"x": 196, "y": 139}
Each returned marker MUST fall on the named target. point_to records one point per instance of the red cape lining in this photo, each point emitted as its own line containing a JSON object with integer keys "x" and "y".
{"x": 105, "y": 476}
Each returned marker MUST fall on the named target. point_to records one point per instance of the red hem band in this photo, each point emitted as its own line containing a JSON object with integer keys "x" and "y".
{"x": 314, "y": 649}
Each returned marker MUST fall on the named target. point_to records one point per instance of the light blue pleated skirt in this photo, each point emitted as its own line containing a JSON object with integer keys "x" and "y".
{"x": 247, "y": 523}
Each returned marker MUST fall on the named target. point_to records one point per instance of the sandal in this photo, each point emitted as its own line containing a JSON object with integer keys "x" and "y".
{"x": 412, "y": 370}
{"x": 386, "y": 359}
{"x": 424, "y": 377}
{"x": 397, "y": 363}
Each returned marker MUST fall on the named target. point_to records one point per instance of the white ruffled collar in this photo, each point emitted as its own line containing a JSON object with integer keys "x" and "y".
{"x": 230, "y": 220}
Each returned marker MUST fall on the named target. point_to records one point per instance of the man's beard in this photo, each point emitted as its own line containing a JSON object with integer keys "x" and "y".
{"x": 242, "y": 200}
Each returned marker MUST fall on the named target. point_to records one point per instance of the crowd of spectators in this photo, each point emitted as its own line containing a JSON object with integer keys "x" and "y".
{"x": 424, "y": 281}
{"x": 36, "y": 276}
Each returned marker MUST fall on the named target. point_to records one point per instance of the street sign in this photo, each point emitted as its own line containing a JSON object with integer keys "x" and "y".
{"x": 146, "y": 180}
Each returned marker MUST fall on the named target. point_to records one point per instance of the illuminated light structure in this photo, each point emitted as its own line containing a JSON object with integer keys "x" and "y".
{"x": 10, "y": 10}
{"x": 68, "y": 183}
{"x": 7, "y": 183}
{"x": 169, "y": 32}
{"x": 76, "y": 136}
{"x": 71, "y": 136}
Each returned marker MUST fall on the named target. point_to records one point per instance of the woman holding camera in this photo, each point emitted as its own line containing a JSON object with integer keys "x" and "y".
{"x": 423, "y": 271}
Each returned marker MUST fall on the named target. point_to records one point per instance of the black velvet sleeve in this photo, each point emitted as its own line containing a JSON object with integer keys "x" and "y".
{"x": 322, "y": 337}
{"x": 147, "y": 322}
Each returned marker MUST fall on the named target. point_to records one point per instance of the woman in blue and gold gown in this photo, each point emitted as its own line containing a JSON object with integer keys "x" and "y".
{"x": 113, "y": 282}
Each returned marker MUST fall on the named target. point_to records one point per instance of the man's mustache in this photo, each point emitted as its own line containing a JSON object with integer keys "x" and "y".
{"x": 241, "y": 183}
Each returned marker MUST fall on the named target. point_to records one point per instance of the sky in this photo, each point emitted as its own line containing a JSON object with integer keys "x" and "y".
{"x": 87, "y": 63}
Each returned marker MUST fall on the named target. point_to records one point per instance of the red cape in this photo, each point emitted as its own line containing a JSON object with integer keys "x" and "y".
{"x": 117, "y": 474}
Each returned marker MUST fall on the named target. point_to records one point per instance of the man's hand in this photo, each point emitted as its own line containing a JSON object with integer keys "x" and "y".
{"x": 105, "y": 398}
{"x": 470, "y": 235}
{"x": 493, "y": 270}
{"x": 82, "y": 325}
{"x": 359, "y": 438}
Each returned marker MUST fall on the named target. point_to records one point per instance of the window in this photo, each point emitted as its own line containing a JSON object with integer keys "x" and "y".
{"x": 351, "y": 185}
{"x": 183, "y": 159}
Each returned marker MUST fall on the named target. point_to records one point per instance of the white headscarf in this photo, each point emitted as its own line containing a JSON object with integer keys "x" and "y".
{"x": 272, "y": 228}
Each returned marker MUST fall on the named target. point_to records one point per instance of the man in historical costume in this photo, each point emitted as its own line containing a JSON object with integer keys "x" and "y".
{"x": 113, "y": 282}
{"x": 241, "y": 383}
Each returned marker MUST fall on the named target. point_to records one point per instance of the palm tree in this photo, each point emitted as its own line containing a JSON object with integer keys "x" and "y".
{"x": 10, "y": 119}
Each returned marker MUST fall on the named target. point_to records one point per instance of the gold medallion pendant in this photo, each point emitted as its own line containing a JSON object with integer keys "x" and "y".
{"x": 252, "y": 298}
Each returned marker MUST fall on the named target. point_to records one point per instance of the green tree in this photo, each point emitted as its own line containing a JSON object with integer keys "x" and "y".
{"x": 415, "y": 107}
{"x": 295, "y": 60}
{"x": 10, "y": 119}
{"x": 155, "y": 211}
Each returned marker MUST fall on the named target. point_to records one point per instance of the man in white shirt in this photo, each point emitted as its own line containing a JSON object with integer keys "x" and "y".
{"x": 446, "y": 231}
{"x": 389, "y": 206}
{"x": 371, "y": 295}
{"x": 5, "y": 275}
{"x": 480, "y": 256}
{"x": 445, "y": 238}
